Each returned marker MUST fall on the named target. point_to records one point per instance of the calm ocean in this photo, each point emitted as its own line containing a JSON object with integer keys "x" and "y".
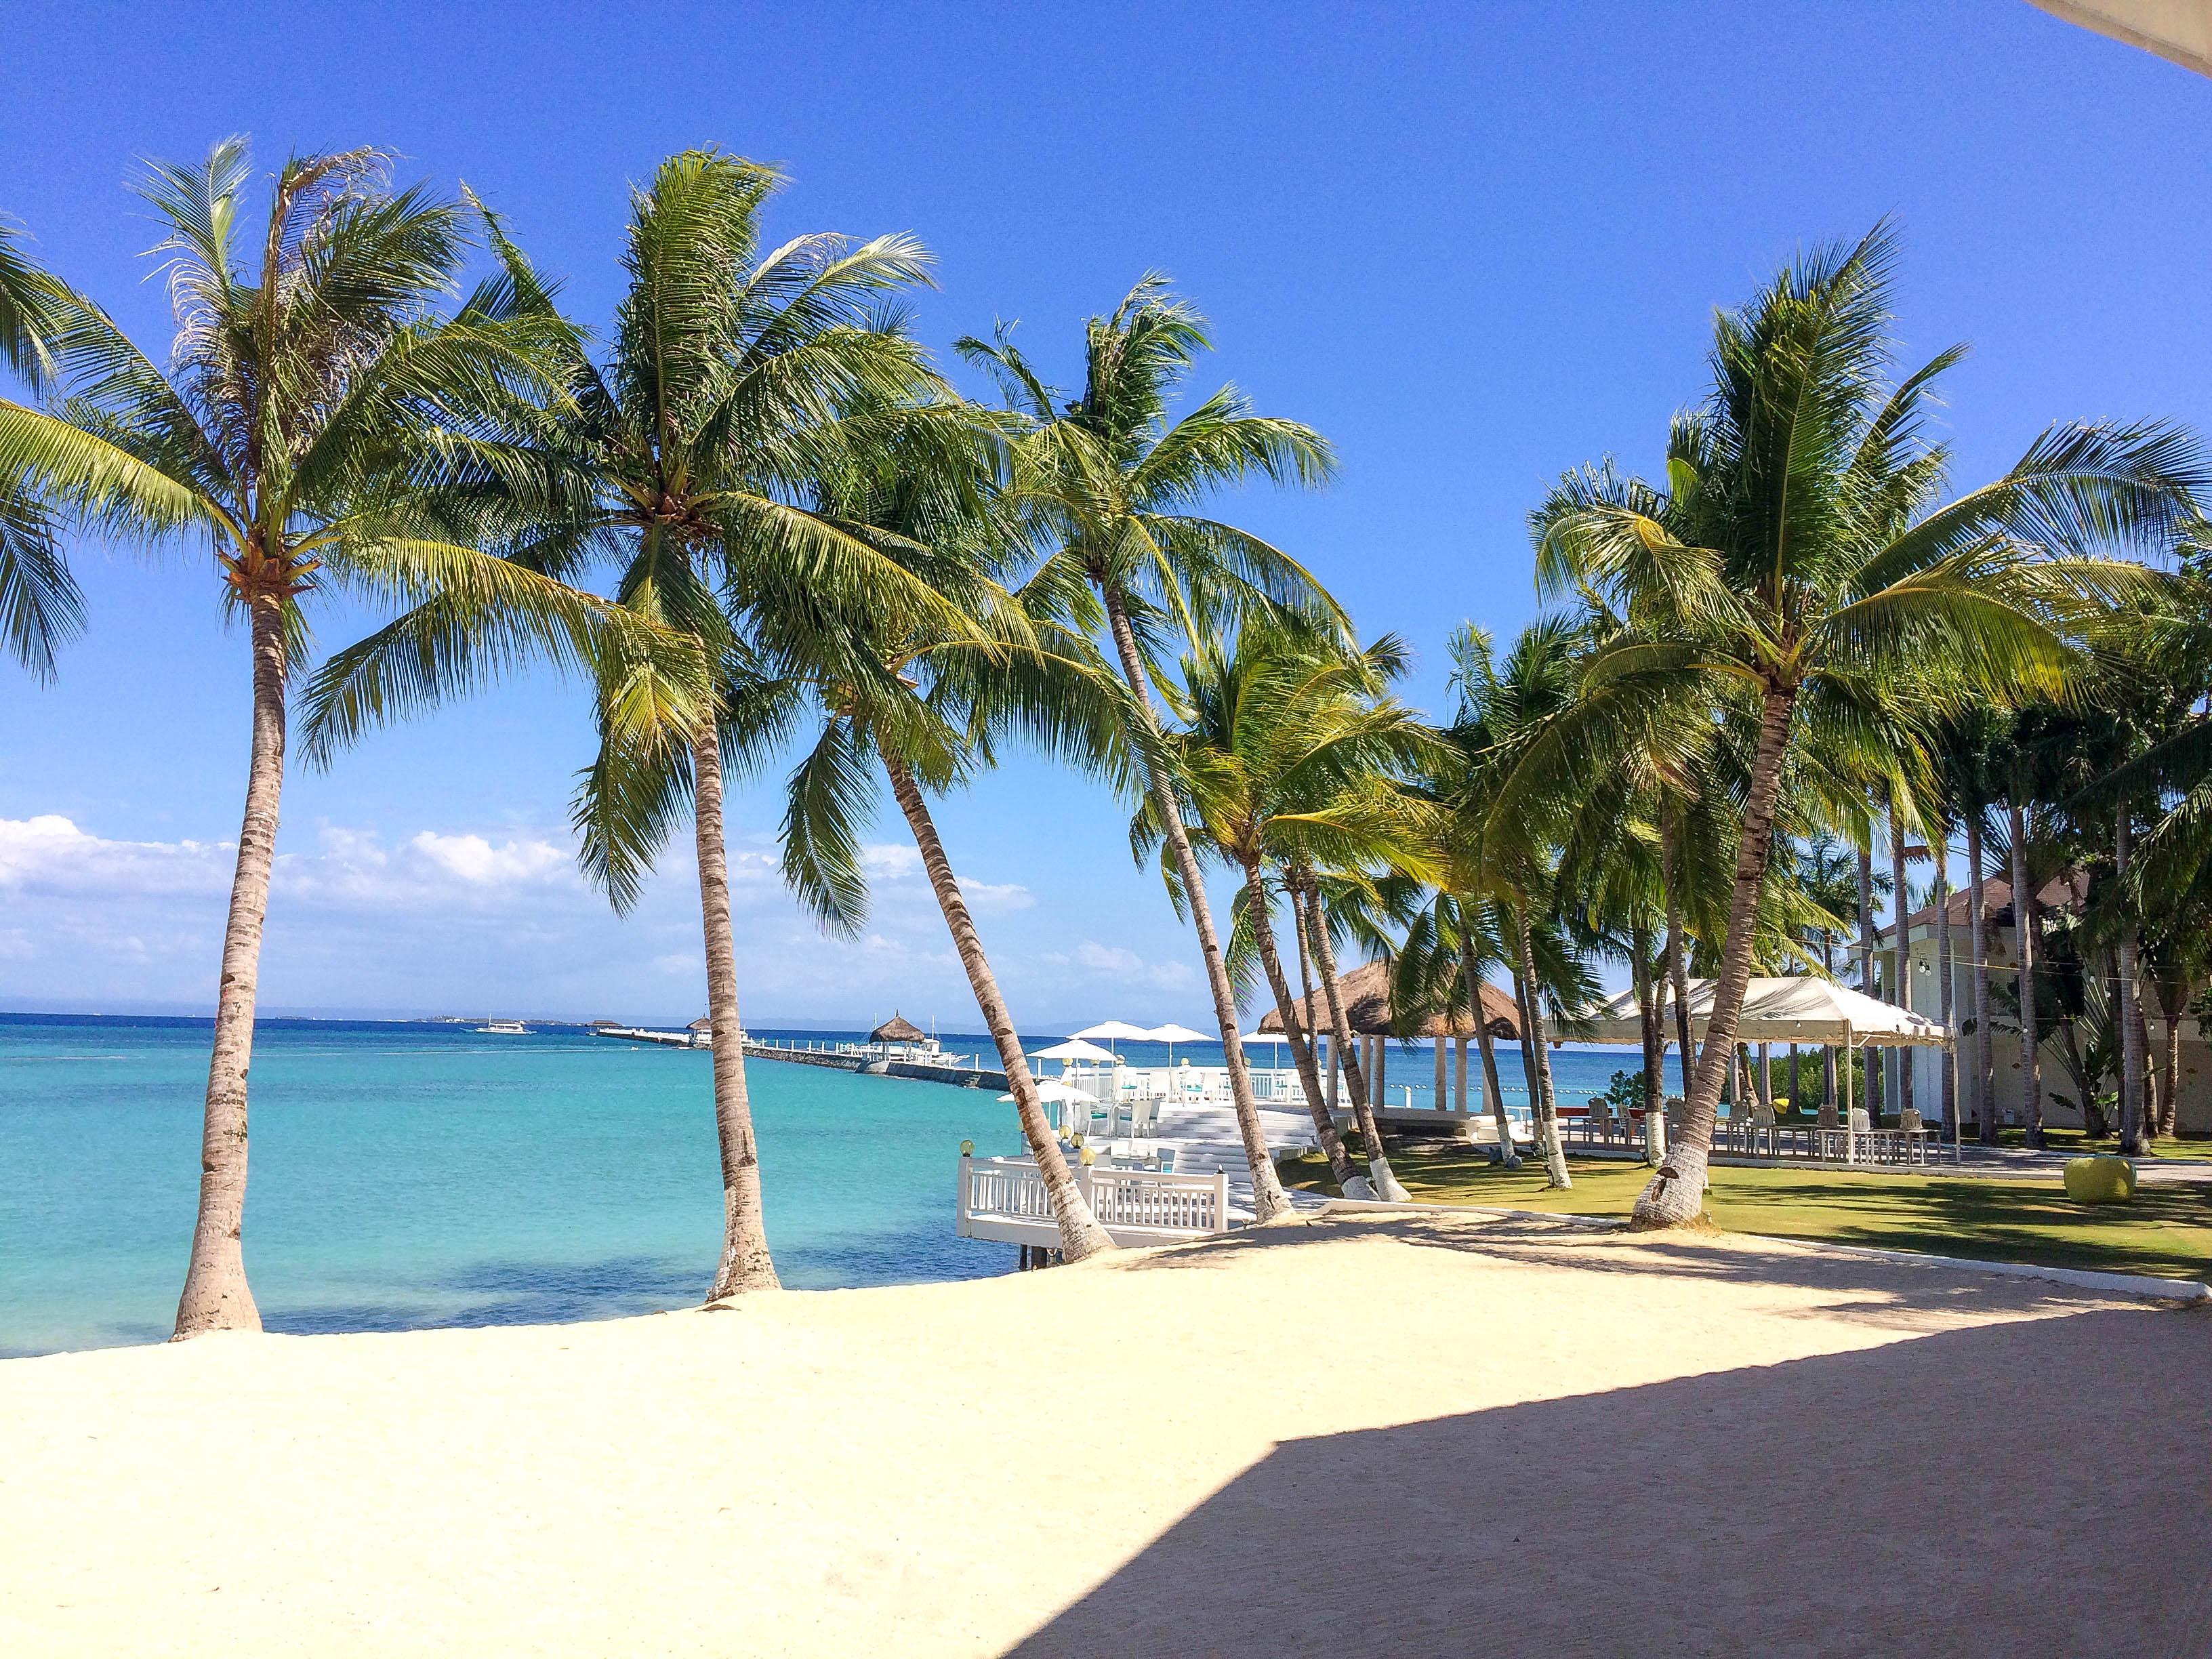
{"x": 409, "y": 1174}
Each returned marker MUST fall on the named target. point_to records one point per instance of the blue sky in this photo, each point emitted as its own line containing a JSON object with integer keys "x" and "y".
{"x": 1474, "y": 244}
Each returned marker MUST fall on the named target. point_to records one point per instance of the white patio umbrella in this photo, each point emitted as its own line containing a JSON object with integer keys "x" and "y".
{"x": 1054, "y": 1089}
{"x": 1075, "y": 1048}
{"x": 1112, "y": 1031}
{"x": 1172, "y": 1034}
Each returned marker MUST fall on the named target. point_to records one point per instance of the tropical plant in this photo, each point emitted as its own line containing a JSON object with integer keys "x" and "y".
{"x": 39, "y": 604}
{"x": 689, "y": 457}
{"x": 1802, "y": 578}
{"x": 1116, "y": 486}
{"x": 321, "y": 424}
{"x": 1287, "y": 757}
{"x": 929, "y": 704}
{"x": 1450, "y": 947}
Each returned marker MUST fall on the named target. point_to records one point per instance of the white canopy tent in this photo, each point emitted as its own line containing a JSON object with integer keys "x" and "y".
{"x": 1800, "y": 1009}
{"x": 1797, "y": 1010}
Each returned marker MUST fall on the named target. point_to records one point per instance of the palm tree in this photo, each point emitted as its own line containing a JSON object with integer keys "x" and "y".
{"x": 689, "y": 457}
{"x": 1507, "y": 712}
{"x": 1966, "y": 752}
{"x": 320, "y": 423}
{"x": 1802, "y": 578}
{"x": 1287, "y": 756}
{"x": 927, "y": 702}
{"x": 1118, "y": 486}
{"x": 1449, "y": 948}
{"x": 39, "y": 604}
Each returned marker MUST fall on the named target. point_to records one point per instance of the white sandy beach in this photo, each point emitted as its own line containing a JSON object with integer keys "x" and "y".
{"x": 1417, "y": 1435}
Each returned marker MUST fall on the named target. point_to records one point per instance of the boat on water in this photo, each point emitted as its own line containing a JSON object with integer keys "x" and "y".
{"x": 503, "y": 1028}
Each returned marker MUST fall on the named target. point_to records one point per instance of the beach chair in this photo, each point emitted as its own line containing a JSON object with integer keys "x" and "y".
{"x": 1762, "y": 1121}
{"x": 1912, "y": 1136}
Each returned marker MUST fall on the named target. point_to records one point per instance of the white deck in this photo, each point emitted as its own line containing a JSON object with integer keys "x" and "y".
{"x": 1135, "y": 1207}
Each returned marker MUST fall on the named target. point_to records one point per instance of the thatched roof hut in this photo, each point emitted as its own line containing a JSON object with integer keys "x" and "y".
{"x": 1366, "y": 994}
{"x": 706, "y": 1023}
{"x": 896, "y": 1029}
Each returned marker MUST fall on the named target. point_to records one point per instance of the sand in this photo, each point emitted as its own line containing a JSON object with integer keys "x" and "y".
{"x": 1415, "y": 1434}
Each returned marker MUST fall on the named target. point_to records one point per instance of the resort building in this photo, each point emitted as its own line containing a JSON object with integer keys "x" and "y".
{"x": 2061, "y": 1093}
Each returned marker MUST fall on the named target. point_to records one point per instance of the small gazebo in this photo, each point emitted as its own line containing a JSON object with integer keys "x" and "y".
{"x": 1366, "y": 994}
{"x": 897, "y": 1033}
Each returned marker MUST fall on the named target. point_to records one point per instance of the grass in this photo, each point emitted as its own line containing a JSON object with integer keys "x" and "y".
{"x": 2074, "y": 1141}
{"x": 2167, "y": 1231}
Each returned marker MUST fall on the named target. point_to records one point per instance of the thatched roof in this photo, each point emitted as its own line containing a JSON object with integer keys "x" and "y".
{"x": 1366, "y": 994}
{"x": 702, "y": 1025}
{"x": 896, "y": 1029}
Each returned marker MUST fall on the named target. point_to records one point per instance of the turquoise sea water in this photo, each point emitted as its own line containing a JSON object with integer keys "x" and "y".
{"x": 407, "y": 1175}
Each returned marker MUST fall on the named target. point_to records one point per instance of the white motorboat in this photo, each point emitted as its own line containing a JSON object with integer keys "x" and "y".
{"x": 504, "y": 1028}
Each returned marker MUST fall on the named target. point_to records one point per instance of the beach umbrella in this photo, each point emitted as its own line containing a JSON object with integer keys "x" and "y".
{"x": 1076, "y": 1048}
{"x": 1113, "y": 1030}
{"x": 1172, "y": 1034}
{"x": 1054, "y": 1089}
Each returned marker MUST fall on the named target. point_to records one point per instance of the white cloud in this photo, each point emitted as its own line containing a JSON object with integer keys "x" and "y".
{"x": 50, "y": 854}
{"x": 476, "y": 861}
{"x": 682, "y": 962}
{"x": 891, "y": 862}
{"x": 1118, "y": 963}
{"x": 996, "y": 899}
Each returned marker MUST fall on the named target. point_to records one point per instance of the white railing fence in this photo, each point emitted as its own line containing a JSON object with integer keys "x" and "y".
{"x": 1006, "y": 1196}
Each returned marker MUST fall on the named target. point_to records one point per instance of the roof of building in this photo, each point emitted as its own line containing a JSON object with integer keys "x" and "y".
{"x": 2065, "y": 892}
{"x": 1365, "y": 991}
{"x": 705, "y": 1024}
{"x": 896, "y": 1029}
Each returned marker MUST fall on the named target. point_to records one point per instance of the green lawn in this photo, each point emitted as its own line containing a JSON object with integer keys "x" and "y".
{"x": 2167, "y": 1230}
{"x": 2072, "y": 1141}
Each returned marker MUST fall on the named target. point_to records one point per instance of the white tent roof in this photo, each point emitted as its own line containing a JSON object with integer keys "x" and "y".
{"x": 1174, "y": 1033}
{"x": 1796, "y": 1010}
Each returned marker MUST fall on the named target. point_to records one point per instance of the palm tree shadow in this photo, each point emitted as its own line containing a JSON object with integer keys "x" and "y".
{"x": 1838, "y": 1505}
{"x": 1895, "y": 1291}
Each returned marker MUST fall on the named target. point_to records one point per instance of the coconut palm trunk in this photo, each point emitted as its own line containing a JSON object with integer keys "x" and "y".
{"x": 2132, "y": 1034}
{"x": 1080, "y": 1233}
{"x": 1675, "y": 1194}
{"x": 1548, "y": 1107}
{"x": 216, "y": 1296}
{"x": 1349, "y": 1180}
{"x": 1939, "y": 843}
{"x": 1872, "y": 1094}
{"x": 2169, "y": 992}
{"x": 1370, "y": 1126}
{"x": 1978, "y": 940}
{"x": 1651, "y": 1025}
{"x": 1900, "y": 952}
{"x": 2023, "y": 929}
{"x": 1677, "y": 979}
{"x": 745, "y": 1264}
{"x": 1485, "y": 1045}
{"x": 1268, "y": 1200}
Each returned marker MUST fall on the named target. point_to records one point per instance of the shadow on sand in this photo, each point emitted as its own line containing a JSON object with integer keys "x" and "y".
{"x": 2040, "y": 1486}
